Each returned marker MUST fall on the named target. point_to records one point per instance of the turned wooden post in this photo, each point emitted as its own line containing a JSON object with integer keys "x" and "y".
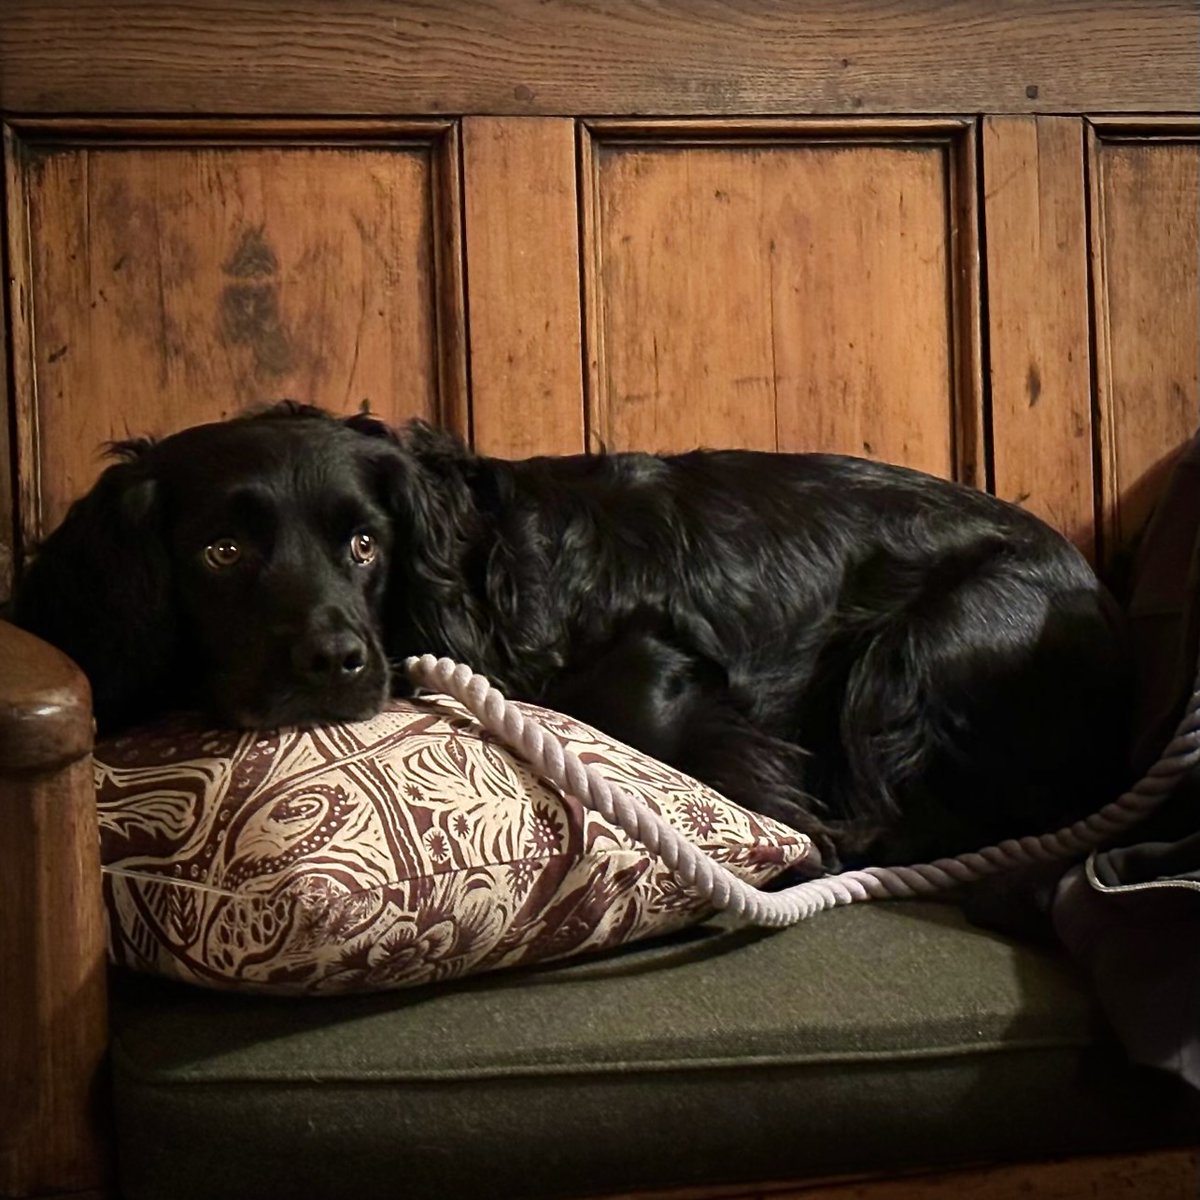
{"x": 53, "y": 1018}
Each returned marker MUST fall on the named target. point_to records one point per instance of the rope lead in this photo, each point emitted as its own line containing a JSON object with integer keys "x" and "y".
{"x": 713, "y": 883}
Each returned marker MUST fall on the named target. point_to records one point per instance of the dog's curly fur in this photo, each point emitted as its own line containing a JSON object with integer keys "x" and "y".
{"x": 896, "y": 664}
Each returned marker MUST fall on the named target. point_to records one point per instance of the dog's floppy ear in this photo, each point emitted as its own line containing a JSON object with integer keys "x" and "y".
{"x": 100, "y": 589}
{"x": 434, "y": 485}
{"x": 426, "y": 477}
{"x": 429, "y": 475}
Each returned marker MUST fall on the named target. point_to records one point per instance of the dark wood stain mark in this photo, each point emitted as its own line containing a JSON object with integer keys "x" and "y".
{"x": 253, "y": 257}
{"x": 55, "y": 355}
{"x": 249, "y": 309}
{"x": 1033, "y": 384}
{"x": 250, "y": 317}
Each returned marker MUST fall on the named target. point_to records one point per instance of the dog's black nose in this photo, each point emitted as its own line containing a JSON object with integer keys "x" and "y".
{"x": 331, "y": 656}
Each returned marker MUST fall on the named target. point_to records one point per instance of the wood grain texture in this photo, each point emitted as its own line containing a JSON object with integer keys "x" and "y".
{"x": 1145, "y": 247}
{"x": 451, "y": 403}
{"x": 19, "y": 375}
{"x": 557, "y": 57}
{"x": 1035, "y": 210}
{"x": 164, "y": 282}
{"x": 776, "y": 291}
{"x": 7, "y": 528}
{"x": 1161, "y": 1175}
{"x": 522, "y": 238}
{"x": 45, "y": 705}
{"x": 52, "y": 948}
{"x": 965, "y": 300}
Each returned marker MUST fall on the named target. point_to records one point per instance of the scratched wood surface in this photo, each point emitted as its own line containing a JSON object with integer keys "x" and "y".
{"x": 172, "y": 284}
{"x": 1146, "y": 272}
{"x": 560, "y": 57}
{"x": 1041, "y": 388}
{"x": 783, "y": 294}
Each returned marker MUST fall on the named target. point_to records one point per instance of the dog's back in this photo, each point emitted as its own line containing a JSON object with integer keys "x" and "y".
{"x": 953, "y": 668}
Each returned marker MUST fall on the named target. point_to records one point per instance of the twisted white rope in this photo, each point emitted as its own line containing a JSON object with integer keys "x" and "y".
{"x": 716, "y": 884}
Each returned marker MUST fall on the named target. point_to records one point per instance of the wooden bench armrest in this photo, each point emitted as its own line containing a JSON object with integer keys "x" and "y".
{"x": 52, "y": 948}
{"x": 45, "y": 705}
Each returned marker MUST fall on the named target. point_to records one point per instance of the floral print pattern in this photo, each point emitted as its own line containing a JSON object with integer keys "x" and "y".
{"x": 403, "y": 850}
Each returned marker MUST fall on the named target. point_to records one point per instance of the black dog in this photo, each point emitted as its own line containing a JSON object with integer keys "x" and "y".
{"x": 898, "y": 665}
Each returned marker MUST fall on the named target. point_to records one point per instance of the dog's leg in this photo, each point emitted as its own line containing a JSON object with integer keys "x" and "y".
{"x": 639, "y": 688}
{"x": 765, "y": 774}
{"x": 646, "y": 691}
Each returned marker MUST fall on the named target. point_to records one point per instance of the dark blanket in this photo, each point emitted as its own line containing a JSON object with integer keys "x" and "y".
{"x": 1131, "y": 914}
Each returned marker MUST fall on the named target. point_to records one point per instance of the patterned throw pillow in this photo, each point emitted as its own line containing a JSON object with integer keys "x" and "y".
{"x": 405, "y": 849}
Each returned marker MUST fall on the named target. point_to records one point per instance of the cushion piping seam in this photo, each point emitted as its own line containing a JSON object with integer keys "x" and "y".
{"x": 619, "y": 1067}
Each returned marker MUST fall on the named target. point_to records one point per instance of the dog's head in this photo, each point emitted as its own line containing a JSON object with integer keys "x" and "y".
{"x": 240, "y": 566}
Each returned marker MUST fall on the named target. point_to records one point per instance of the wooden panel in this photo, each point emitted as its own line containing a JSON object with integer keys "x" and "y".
{"x": 777, "y": 290}
{"x": 1035, "y": 213}
{"x": 1146, "y": 283}
{"x": 522, "y": 240}
{"x": 557, "y": 57}
{"x": 172, "y": 282}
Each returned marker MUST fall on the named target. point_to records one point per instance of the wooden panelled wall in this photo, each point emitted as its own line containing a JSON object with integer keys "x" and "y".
{"x": 1009, "y": 299}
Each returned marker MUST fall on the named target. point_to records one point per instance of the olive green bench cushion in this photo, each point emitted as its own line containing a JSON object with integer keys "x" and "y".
{"x": 870, "y": 1038}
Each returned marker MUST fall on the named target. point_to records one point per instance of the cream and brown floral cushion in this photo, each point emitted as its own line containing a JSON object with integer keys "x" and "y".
{"x": 405, "y": 849}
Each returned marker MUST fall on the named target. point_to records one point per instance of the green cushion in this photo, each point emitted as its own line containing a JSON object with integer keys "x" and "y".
{"x": 876, "y": 1037}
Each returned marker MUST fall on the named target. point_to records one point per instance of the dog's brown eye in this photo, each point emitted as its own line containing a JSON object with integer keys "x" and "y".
{"x": 222, "y": 553}
{"x": 363, "y": 548}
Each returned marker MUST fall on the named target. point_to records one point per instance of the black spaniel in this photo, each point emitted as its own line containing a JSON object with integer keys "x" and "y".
{"x": 895, "y": 664}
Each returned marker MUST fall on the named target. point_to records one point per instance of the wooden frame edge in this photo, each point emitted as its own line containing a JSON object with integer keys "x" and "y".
{"x": 972, "y": 419}
{"x": 8, "y": 496}
{"x": 1104, "y": 448}
{"x": 25, "y": 448}
{"x": 561, "y": 60}
{"x": 1145, "y": 128}
{"x": 127, "y": 131}
{"x": 451, "y": 329}
{"x": 718, "y": 131}
{"x": 591, "y": 268}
